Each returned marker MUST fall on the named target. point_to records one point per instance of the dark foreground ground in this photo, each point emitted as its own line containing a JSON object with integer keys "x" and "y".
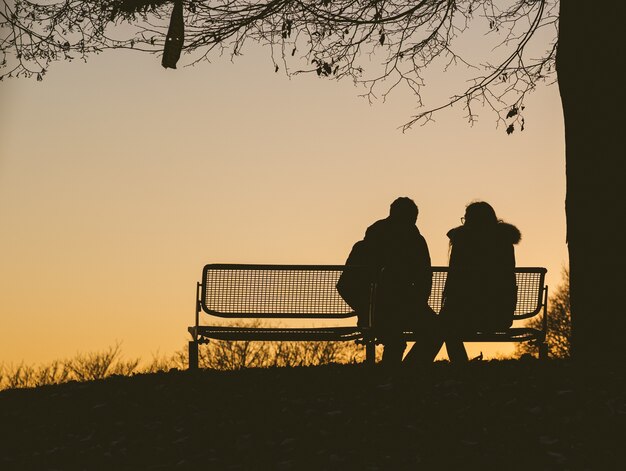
{"x": 489, "y": 415}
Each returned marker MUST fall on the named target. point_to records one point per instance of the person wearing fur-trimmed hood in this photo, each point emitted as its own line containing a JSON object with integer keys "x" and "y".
{"x": 480, "y": 292}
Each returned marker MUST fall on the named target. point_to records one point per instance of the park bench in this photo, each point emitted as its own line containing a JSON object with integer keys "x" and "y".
{"x": 305, "y": 292}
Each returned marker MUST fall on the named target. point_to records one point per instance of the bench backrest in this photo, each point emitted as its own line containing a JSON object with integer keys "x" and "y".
{"x": 308, "y": 291}
{"x": 273, "y": 291}
{"x": 530, "y": 290}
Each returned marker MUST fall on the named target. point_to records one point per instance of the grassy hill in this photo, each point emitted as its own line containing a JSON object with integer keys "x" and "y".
{"x": 487, "y": 415}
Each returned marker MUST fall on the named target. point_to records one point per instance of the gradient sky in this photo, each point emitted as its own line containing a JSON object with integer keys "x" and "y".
{"x": 119, "y": 180}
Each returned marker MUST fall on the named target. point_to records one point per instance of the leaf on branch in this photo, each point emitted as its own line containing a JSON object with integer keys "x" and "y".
{"x": 293, "y": 51}
{"x": 510, "y": 129}
{"x": 276, "y": 68}
{"x": 512, "y": 112}
{"x": 382, "y": 37}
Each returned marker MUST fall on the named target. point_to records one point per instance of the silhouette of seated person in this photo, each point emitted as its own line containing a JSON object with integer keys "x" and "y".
{"x": 400, "y": 264}
{"x": 480, "y": 292}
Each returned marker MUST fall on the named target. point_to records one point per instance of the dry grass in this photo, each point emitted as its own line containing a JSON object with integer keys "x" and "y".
{"x": 217, "y": 355}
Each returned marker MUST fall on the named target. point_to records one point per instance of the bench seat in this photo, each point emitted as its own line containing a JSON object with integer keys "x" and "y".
{"x": 514, "y": 334}
{"x": 328, "y": 334}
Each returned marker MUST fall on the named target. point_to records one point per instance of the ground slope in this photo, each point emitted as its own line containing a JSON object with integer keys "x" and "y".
{"x": 488, "y": 415}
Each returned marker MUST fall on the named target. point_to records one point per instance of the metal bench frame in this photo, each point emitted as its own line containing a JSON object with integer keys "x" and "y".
{"x": 298, "y": 292}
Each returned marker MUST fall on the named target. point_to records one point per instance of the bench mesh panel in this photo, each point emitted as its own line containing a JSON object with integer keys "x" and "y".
{"x": 436, "y": 292}
{"x": 274, "y": 292}
{"x": 529, "y": 293}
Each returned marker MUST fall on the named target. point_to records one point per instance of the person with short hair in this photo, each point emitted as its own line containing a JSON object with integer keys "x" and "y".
{"x": 399, "y": 255}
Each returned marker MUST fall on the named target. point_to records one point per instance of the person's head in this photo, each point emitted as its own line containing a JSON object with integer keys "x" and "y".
{"x": 480, "y": 214}
{"x": 403, "y": 210}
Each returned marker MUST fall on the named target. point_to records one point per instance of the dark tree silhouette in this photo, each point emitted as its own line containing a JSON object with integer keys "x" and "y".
{"x": 589, "y": 54}
{"x": 386, "y": 44}
{"x": 559, "y": 323}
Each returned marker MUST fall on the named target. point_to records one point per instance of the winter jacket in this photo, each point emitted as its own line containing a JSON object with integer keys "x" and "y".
{"x": 480, "y": 292}
{"x": 401, "y": 251}
{"x": 400, "y": 261}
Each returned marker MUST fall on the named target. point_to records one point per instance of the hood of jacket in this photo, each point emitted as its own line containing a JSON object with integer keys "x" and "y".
{"x": 503, "y": 230}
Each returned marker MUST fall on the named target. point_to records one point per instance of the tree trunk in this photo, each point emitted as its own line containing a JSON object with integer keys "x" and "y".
{"x": 590, "y": 59}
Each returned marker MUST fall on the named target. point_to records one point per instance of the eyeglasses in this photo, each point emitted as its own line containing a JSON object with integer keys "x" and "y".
{"x": 462, "y": 220}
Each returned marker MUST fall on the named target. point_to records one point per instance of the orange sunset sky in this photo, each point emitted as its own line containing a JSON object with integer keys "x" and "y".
{"x": 119, "y": 180}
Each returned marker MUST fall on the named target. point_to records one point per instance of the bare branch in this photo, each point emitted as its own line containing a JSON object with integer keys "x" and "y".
{"x": 382, "y": 45}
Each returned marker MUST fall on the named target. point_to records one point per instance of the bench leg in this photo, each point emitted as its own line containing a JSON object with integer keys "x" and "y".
{"x": 370, "y": 353}
{"x": 543, "y": 351}
{"x": 193, "y": 355}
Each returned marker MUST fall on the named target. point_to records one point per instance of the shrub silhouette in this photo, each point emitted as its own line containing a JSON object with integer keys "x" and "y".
{"x": 83, "y": 367}
{"x": 234, "y": 355}
{"x": 99, "y": 365}
{"x": 219, "y": 355}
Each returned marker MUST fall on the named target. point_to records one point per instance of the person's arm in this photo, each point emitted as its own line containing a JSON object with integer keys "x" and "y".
{"x": 512, "y": 256}
{"x": 425, "y": 274}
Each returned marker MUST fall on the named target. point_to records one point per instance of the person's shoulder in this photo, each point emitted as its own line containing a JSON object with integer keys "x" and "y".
{"x": 417, "y": 234}
{"x": 503, "y": 231}
{"x": 509, "y": 232}
{"x": 455, "y": 233}
{"x": 376, "y": 229}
